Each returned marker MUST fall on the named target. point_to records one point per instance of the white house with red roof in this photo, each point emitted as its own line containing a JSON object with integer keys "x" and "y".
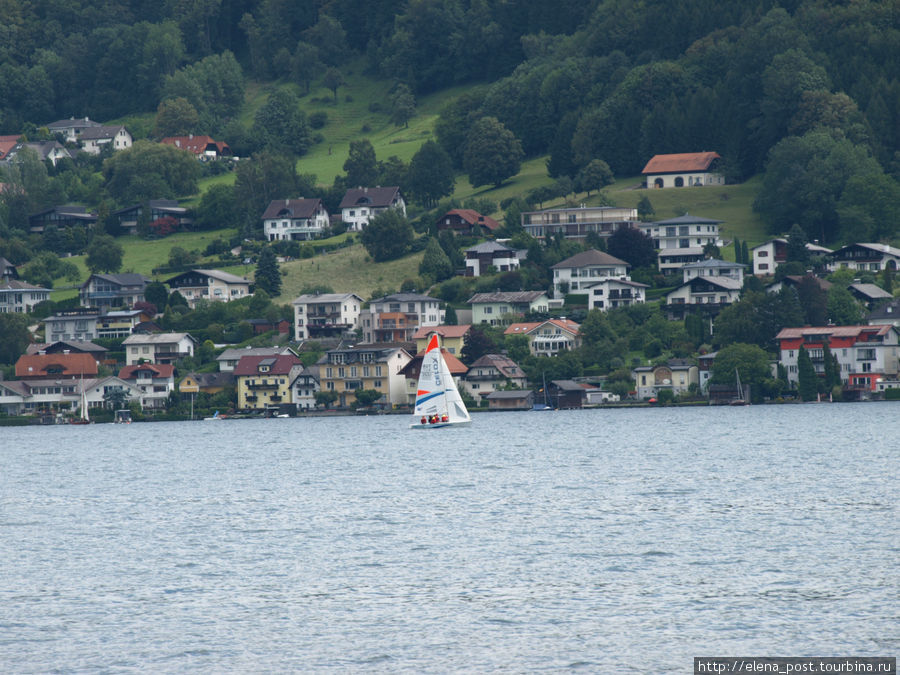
{"x": 361, "y": 204}
{"x": 548, "y": 338}
{"x": 866, "y": 354}
{"x": 295, "y": 219}
{"x": 155, "y": 381}
{"x": 686, "y": 169}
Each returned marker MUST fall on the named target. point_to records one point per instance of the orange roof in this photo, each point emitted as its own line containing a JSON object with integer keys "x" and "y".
{"x": 472, "y": 217}
{"x": 195, "y": 144}
{"x": 56, "y": 365}
{"x": 521, "y": 328}
{"x": 685, "y": 161}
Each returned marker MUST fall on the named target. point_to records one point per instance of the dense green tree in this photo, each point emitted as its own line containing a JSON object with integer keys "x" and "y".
{"x": 156, "y": 293}
{"x": 268, "y": 275}
{"x": 14, "y": 336}
{"x": 150, "y": 171}
{"x": 175, "y": 117}
{"x": 867, "y": 208}
{"x": 361, "y": 165}
{"x": 814, "y": 300}
{"x": 435, "y": 263}
{"x": 645, "y": 209}
{"x": 366, "y": 397}
{"x": 807, "y": 380}
{"x": 796, "y": 245}
{"x": 492, "y": 153}
{"x": 633, "y": 246}
{"x": 842, "y": 307}
{"x": 329, "y": 38}
{"x": 333, "y": 80}
{"x": 403, "y": 105}
{"x": 104, "y": 255}
{"x": 430, "y": 176}
{"x": 214, "y": 86}
{"x": 217, "y": 209}
{"x": 259, "y": 180}
{"x": 452, "y": 126}
{"x": 477, "y": 342}
{"x": 305, "y": 64}
{"x": 387, "y": 236}
{"x": 281, "y": 124}
{"x": 392, "y": 171}
{"x": 595, "y": 176}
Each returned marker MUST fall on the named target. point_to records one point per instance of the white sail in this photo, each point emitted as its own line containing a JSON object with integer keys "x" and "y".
{"x": 438, "y": 403}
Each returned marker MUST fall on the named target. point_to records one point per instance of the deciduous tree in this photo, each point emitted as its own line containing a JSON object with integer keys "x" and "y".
{"x": 387, "y": 236}
{"x": 104, "y": 255}
{"x": 430, "y": 174}
{"x": 492, "y": 153}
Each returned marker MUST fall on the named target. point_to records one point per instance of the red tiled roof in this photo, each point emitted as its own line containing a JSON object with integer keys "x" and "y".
{"x": 685, "y": 161}
{"x": 196, "y": 144}
{"x": 472, "y": 217}
{"x": 443, "y": 331}
{"x": 70, "y": 365}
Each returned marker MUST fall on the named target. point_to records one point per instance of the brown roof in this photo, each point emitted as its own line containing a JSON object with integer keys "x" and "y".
{"x": 685, "y": 161}
{"x": 280, "y": 364}
{"x": 158, "y": 369}
{"x": 56, "y": 365}
{"x": 443, "y": 331}
{"x": 369, "y": 196}
{"x": 591, "y": 257}
{"x": 472, "y": 217}
{"x": 292, "y": 208}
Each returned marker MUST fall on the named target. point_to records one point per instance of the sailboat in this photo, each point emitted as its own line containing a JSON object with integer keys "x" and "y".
{"x": 438, "y": 403}
{"x": 546, "y": 404}
{"x": 85, "y": 418}
{"x": 741, "y": 399}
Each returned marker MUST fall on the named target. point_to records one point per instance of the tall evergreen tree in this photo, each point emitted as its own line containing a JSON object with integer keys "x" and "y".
{"x": 268, "y": 276}
{"x": 807, "y": 380}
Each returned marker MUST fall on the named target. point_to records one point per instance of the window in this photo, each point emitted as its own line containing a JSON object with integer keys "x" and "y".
{"x": 762, "y": 254}
{"x": 764, "y": 266}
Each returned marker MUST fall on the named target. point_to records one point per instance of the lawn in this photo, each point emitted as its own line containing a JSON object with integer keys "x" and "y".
{"x": 347, "y": 270}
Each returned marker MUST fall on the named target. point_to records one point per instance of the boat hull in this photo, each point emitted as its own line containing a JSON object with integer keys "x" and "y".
{"x": 441, "y": 425}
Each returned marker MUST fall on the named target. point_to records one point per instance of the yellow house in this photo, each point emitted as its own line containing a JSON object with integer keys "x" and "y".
{"x": 209, "y": 383}
{"x": 368, "y": 366}
{"x": 453, "y": 338}
{"x": 264, "y": 382}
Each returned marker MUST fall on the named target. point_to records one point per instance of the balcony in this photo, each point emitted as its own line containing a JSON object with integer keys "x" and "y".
{"x": 260, "y": 385}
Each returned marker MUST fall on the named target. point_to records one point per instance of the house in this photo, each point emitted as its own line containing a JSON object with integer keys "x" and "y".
{"x": 229, "y": 358}
{"x": 72, "y": 324}
{"x": 112, "y": 291}
{"x": 864, "y": 257}
{"x": 682, "y": 240}
{"x": 94, "y": 139}
{"x": 548, "y": 338}
{"x": 211, "y": 285}
{"x": 208, "y": 383}
{"x": 613, "y": 293}
{"x": 46, "y": 151}
{"x": 453, "y": 338}
{"x": 794, "y": 281}
{"x": 304, "y": 388}
{"x": 707, "y": 294}
{"x": 577, "y": 272}
{"x": 69, "y": 347}
{"x": 260, "y": 326}
{"x": 205, "y": 148}
{"x": 360, "y": 205}
{"x": 367, "y": 366}
{"x": 8, "y": 271}
{"x": 397, "y": 317}
{"x": 412, "y": 370}
{"x": 121, "y": 323}
{"x": 72, "y": 128}
{"x": 864, "y": 354}
{"x": 31, "y": 396}
{"x": 565, "y": 394}
{"x": 686, "y": 169}
{"x": 7, "y": 144}
{"x": 713, "y": 268}
{"x": 885, "y": 315}
{"x": 577, "y": 222}
{"x": 55, "y": 366}
{"x": 510, "y": 399}
{"x": 490, "y": 255}
{"x": 154, "y": 382}
{"x": 768, "y": 255}
{"x": 20, "y": 296}
{"x": 264, "y": 382}
{"x": 157, "y": 209}
{"x": 158, "y": 347}
{"x": 491, "y": 373}
{"x": 501, "y": 307}
{"x": 318, "y": 315}
{"x": 295, "y": 219}
{"x": 61, "y": 217}
{"x": 869, "y": 294}
{"x": 676, "y": 375}
{"x": 467, "y": 222}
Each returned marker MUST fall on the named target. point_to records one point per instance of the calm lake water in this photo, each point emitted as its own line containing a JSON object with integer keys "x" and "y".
{"x": 602, "y": 540}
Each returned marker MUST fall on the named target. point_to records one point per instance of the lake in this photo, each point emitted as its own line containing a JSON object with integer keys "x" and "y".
{"x": 626, "y": 540}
